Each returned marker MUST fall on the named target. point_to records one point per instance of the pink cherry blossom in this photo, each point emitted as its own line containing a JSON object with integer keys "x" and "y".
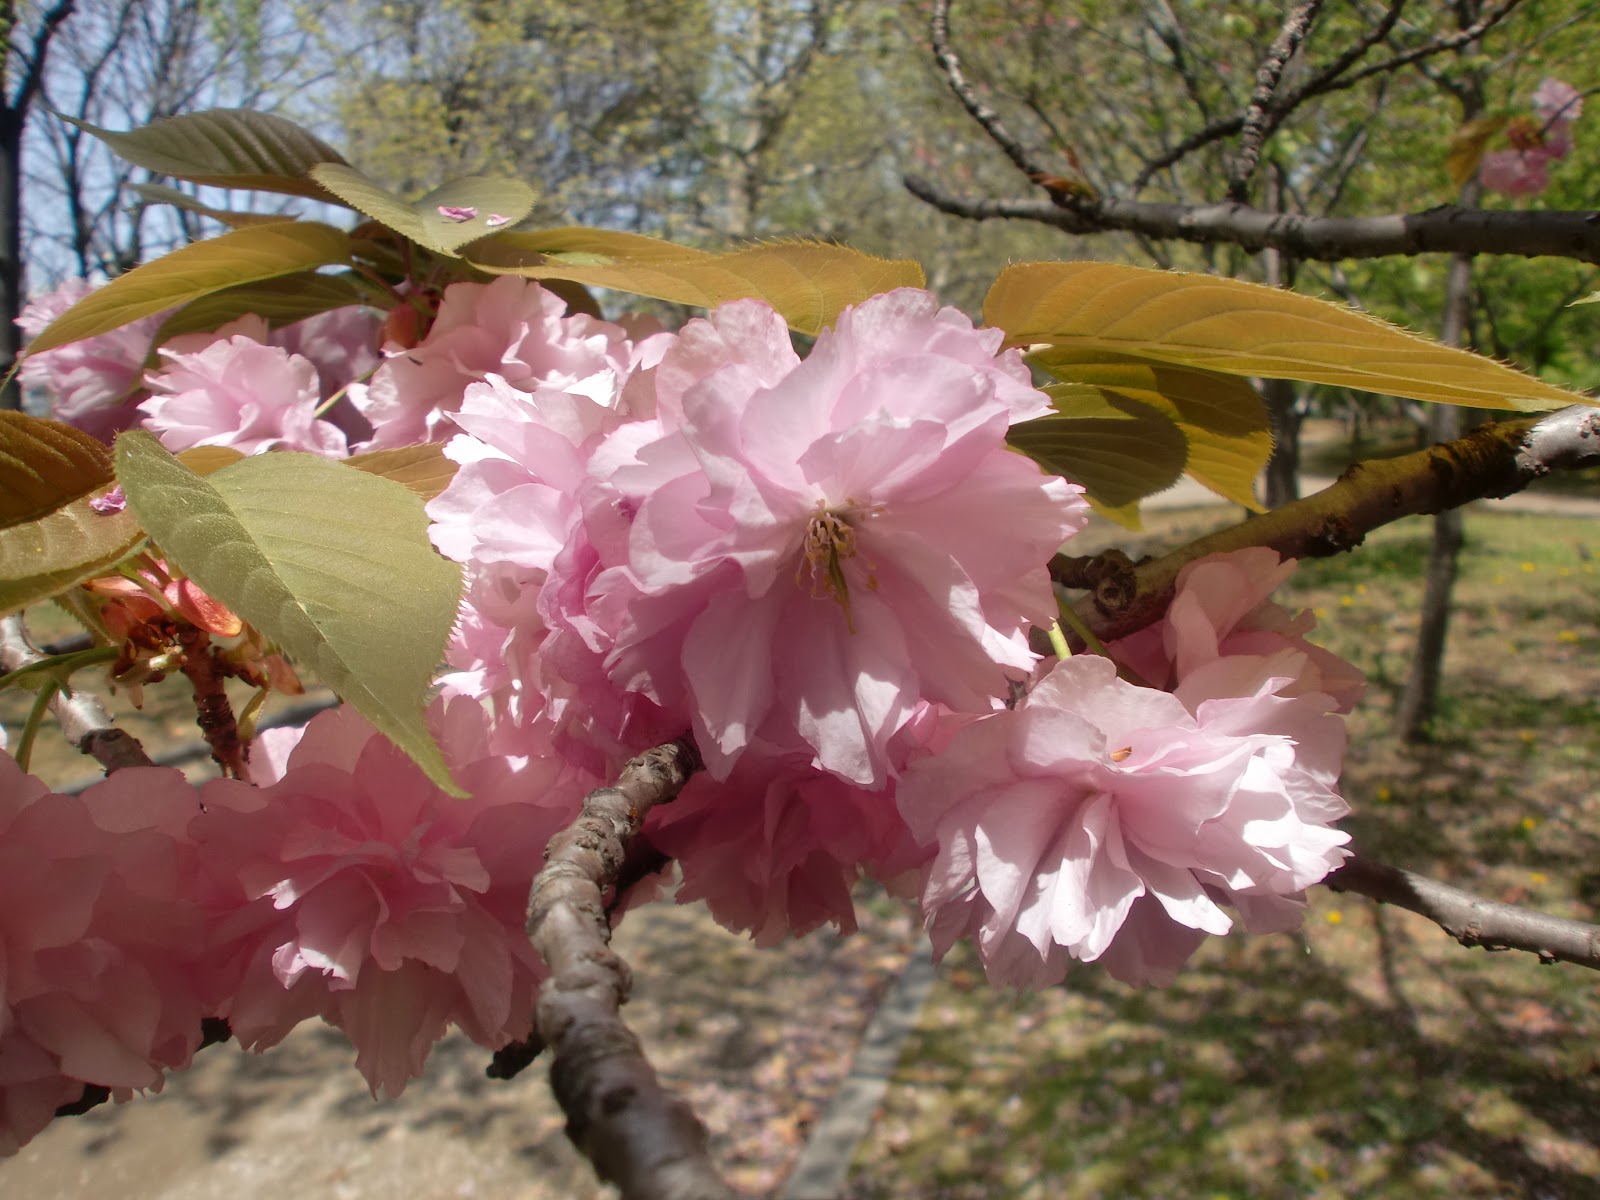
{"x": 88, "y": 382}
{"x": 776, "y": 848}
{"x": 98, "y": 941}
{"x": 815, "y": 543}
{"x": 353, "y": 889}
{"x": 1104, "y": 821}
{"x": 237, "y": 392}
{"x": 1554, "y": 100}
{"x": 512, "y": 328}
{"x": 1516, "y": 172}
{"x": 1222, "y": 610}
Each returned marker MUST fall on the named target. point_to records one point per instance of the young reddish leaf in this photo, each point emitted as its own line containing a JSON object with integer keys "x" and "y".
{"x": 188, "y": 273}
{"x": 807, "y": 282}
{"x": 228, "y": 148}
{"x": 1241, "y": 328}
{"x": 45, "y": 465}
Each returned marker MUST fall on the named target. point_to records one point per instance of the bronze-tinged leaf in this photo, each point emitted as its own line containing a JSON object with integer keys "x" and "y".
{"x": 808, "y": 283}
{"x": 227, "y": 148}
{"x": 424, "y": 469}
{"x": 1222, "y": 417}
{"x": 45, "y": 465}
{"x": 190, "y": 272}
{"x": 1238, "y": 328}
{"x": 444, "y": 220}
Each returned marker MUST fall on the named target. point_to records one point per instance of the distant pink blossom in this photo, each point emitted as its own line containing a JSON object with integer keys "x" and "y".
{"x": 1556, "y": 101}
{"x": 819, "y": 546}
{"x": 1103, "y": 821}
{"x": 98, "y": 941}
{"x": 1536, "y": 142}
{"x": 1223, "y": 635}
{"x": 353, "y": 889}
{"x": 237, "y": 392}
{"x": 512, "y": 328}
{"x": 87, "y": 382}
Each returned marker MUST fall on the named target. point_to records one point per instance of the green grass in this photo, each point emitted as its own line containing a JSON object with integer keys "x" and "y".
{"x": 1369, "y": 1056}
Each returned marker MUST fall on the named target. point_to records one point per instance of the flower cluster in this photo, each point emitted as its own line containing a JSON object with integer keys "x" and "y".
{"x": 824, "y": 568}
{"x": 1537, "y": 140}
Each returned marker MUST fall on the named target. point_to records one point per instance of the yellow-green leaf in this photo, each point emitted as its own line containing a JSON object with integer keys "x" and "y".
{"x": 61, "y": 549}
{"x": 1119, "y": 450}
{"x": 332, "y": 565}
{"x": 281, "y": 301}
{"x": 228, "y": 148}
{"x": 426, "y": 221}
{"x": 423, "y": 468}
{"x": 160, "y": 193}
{"x": 185, "y": 275}
{"x": 1241, "y": 328}
{"x": 1222, "y": 417}
{"x": 807, "y": 282}
{"x": 45, "y": 465}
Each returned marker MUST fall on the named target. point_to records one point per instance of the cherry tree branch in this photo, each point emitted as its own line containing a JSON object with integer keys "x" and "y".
{"x": 1472, "y": 920}
{"x": 639, "y": 1136}
{"x": 1253, "y": 130}
{"x": 1445, "y": 229}
{"x": 1491, "y": 461}
{"x": 84, "y": 721}
{"x": 986, "y": 117}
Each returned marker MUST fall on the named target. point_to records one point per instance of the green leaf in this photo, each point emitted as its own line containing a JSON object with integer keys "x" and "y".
{"x": 1241, "y": 328}
{"x": 45, "y": 465}
{"x": 61, "y": 549}
{"x": 422, "y": 468}
{"x": 281, "y": 301}
{"x": 1222, "y": 418}
{"x": 1120, "y": 450}
{"x": 333, "y": 565}
{"x": 157, "y": 193}
{"x": 422, "y": 221}
{"x": 807, "y": 282}
{"x": 188, "y": 273}
{"x": 228, "y": 148}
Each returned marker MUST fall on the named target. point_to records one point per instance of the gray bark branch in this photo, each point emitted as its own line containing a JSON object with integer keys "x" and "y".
{"x": 1470, "y": 919}
{"x": 639, "y": 1136}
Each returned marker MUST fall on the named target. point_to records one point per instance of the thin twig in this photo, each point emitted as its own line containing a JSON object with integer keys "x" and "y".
{"x": 1472, "y": 920}
{"x": 1491, "y": 461}
{"x": 639, "y": 1136}
{"x": 84, "y": 721}
{"x": 985, "y": 116}
{"x": 1254, "y": 130}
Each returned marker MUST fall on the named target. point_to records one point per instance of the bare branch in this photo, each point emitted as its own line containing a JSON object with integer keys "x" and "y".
{"x": 33, "y": 77}
{"x": 1492, "y": 460}
{"x": 1472, "y": 920}
{"x": 1253, "y": 131}
{"x": 985, "y": 116}
{"x": 84, "y": 721}
{"x": 638, "y": 1135}
{"x": 1442, "y": 230}
{"x": 1332, "y": 78}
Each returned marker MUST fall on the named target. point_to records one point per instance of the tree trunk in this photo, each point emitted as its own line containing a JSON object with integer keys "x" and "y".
{"x": 1415, "y": 710}
{"x": 11, "y": 123}
{"x": 1283, "y": 468}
